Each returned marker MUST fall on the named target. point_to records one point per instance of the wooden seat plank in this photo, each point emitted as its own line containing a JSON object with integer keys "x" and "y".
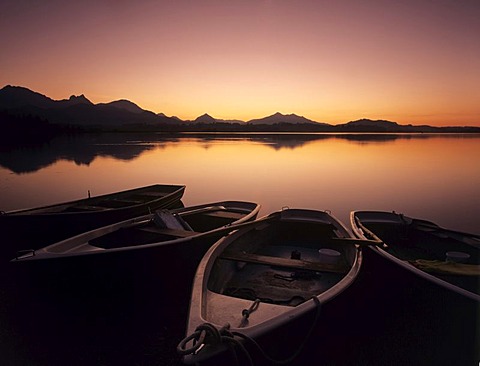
{"x": 171, "y": 232}
{"x": 225, "y": 215}
{"x": 284, "y": 262}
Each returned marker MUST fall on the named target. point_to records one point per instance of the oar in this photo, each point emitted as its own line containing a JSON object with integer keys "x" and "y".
{"x": 231, "y": 227}
{"x": 182, "y": 212}
{"x": 375, "y": 241}
{"x": 453, "y": 234}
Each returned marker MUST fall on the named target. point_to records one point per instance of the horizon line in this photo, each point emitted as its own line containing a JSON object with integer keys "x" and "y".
{"x": 231, "y": 119}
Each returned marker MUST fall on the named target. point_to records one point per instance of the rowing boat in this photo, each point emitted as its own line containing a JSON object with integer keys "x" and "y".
{"x": 113, "y": 283}
{"x": 146, "y": 259}
{"x": 448, "y": 258}
{"x": 36, "y": 227}
{"x": 151, "y": 232}
{"x": 265, "y": 279}
{"x": 426, "y": 280}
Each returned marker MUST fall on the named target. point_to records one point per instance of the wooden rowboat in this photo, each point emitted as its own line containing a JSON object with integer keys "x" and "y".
{"x": 147, "y": 257}
{"x": 162, "y": 228}
{"x": 426, "y": 282}
{"x": 37, "y": 227}
{"x": 259, "y": 281}
{"x": 447, "y": 258}
{"x": 121, "y": 279}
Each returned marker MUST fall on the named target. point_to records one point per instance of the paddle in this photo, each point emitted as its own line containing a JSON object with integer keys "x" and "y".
{"x": 184, "y": 212}
{"x": 466, "y": 238}
{"x": 375, "y": 239}
{"x": 232, "y": 227}
{"x": 276, "y": 215}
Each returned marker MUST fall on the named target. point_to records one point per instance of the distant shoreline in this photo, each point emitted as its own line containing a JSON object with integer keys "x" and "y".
{"x": 24, "y": 112}
{"x": 218, "y": 128}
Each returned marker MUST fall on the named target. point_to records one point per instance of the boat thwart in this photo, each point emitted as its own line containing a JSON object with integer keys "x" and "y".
{"x": 263, "y": 279}
{"x": 37, "y": 227}
{"x": 159, "y": 229}
{"x": 426, "y": 283}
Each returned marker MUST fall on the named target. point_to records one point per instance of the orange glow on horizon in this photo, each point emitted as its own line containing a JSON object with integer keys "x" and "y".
{"x": 410, "y": 62}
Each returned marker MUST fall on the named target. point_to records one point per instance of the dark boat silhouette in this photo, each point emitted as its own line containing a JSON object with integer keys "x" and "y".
{"x": 36, "y": 227}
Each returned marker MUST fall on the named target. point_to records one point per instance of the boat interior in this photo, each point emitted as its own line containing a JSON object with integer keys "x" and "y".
{"x": 280, "y": 263}
{"x": 115, "y": 202}
{"x": 165, "y": 226}
{"x": 111, "y": 201}
{"x": 420, "y": 242}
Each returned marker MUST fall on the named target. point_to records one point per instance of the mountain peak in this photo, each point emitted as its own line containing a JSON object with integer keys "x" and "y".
{"x": 282, "y": 118}
{"x": 369, "y": 122}
{"x": 19, "y": 96}
{"x": 279, "y": 114}
{"x": 74, "y": 100}
{"x": 126, "y": 105}
{"x": 368, "y": 125}
{"x": 81, "y": 99}
{"x": 205, "y": 118}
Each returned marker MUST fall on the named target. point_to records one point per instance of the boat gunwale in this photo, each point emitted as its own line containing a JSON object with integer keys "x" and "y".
{"x": 44, "y": 253}
{"x": 291, "y": 313}
{"x": 358, "y": 231}
{"x": 177, "y": 190}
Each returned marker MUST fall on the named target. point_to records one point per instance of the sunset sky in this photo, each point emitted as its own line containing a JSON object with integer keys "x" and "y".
{"x": 409, "y": 61}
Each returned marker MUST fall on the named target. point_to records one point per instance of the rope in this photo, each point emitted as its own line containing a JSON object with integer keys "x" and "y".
{"x": 204, "y": 334}
{"x": 246, "y": 313}
{"x": 299, "y": 349}
{"x": 197, "y": 337}
{"x": 208, "y": 334}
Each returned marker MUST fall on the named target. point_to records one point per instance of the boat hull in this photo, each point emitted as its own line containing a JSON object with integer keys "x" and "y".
{"x": 113, "y": 296}
{"x": 257, "y": 264}
{"x": 429, "y": 320}
{"x": 121, "y": 307}
{"x": 38, "y": 227}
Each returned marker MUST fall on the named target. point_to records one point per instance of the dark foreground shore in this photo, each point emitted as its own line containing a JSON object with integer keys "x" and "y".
{"x": 78, "y": 323}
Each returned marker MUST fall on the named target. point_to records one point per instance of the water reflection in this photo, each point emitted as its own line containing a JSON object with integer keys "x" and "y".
{"x": 435, "y": 177}
{"x": 83, "y": 149}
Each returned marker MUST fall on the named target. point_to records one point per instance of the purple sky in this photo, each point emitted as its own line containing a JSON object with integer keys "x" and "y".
{"x": 330, "y": 61}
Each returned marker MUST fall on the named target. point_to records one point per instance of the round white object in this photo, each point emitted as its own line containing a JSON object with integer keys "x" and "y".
{"x": 329, "y": 256}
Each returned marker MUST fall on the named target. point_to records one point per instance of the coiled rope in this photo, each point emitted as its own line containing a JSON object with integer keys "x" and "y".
{"x": 208, "y": 334}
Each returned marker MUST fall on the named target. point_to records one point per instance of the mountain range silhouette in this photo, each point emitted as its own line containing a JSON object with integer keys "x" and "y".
{"x": 123, "y": 114}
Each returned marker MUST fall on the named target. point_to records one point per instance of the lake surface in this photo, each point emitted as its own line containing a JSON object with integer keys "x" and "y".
{"x": 430, "y": 176}
{"x": 435, "y": 177}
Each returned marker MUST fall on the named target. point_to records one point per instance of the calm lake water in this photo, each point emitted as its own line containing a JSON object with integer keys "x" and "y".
{"x": 430, "y": 176}
{"x": 435, "y": 177}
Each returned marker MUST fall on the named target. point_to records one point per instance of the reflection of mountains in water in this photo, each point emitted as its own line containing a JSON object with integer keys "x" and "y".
{"x": 284, "y": 140}
{"x": 293, "y": 140}
{"x": 83, "y": 149}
